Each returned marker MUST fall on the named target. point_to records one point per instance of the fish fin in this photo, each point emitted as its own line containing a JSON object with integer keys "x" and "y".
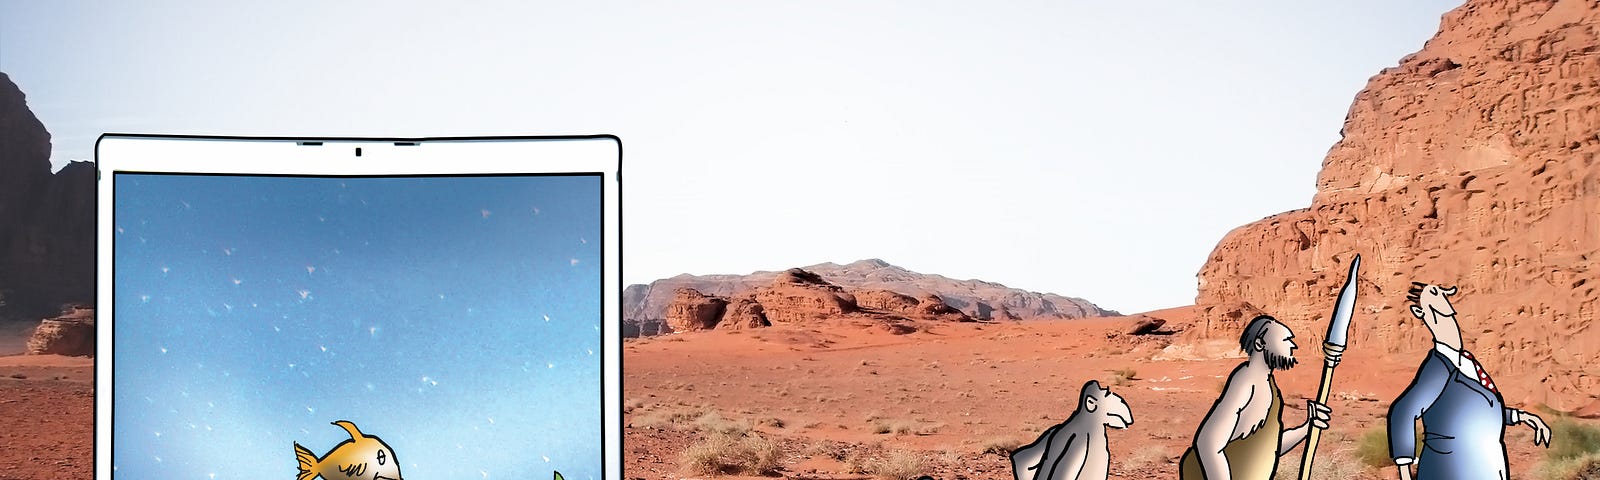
{"x": 350, "y": 427}
{"x": 354, "y": 469}
{"x": 308, "y": 461}
{"x": 559, "y": 477}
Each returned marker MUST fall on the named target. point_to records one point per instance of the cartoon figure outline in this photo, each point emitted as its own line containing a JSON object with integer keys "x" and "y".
{"x": 1075, "y": 448}
{"x": 1226, "y": 445}
{"x": 361, "y": 457}
{"x": 1463, "y": 414}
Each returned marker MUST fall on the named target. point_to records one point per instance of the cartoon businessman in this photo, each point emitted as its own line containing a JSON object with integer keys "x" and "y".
{"x": 1463, "y": 415}
{"x": 1243, "y": 435}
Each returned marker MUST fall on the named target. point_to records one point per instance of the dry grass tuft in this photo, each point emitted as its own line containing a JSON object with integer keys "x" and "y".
{"x": 723, "y": 453}
{"x": 713, "y": 422}
{"x": 1331, "y": 464}
{"x": 1001, "y": 446}
{"x": 1373, "y": 448}
{"x": 895, "y": 465}
{"x": 1124, "y": 376}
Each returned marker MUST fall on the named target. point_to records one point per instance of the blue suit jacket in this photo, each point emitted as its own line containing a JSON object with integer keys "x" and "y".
{"x": 1463, "y": 423}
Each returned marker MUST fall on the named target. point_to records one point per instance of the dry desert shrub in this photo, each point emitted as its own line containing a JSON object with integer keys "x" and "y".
{"x": 895, "y": 465}
{"x": 742, "y": 453}
{"x": 671, "y": 418}
{"x": 1147, "y": 456}
{"x": 1330, "y": 464}
{"x": 1570, "y": 438}
{"x": 950, "y": 456}
{"x": 1373, "y": 448}
{"x": 632, "y": 404}
{"x": 1121, "y": 377}
{"x": 1574, "y": 451}
{"x": 1581, "y": 468}
{"x": 773, "y": 422}
{"x": 712, "y": 422}
{"x": 999, "y": 445}
{"x": 883, "y": 426}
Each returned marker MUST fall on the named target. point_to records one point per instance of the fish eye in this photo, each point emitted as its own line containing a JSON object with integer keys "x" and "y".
{"x": 380, "y": 457}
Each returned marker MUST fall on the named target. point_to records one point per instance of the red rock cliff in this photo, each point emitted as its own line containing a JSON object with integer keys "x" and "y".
{"x": 1471, "y": 163}
{"x": 46, "y": 221}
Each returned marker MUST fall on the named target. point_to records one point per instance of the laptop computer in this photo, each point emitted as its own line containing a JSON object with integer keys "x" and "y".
{"x": 374, "y": 308}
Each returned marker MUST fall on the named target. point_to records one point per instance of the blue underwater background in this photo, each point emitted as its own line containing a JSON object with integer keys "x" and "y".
{"x": 456, "y": 318}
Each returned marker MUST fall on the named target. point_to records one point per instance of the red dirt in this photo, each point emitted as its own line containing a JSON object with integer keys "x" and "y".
{"x": 952, "y": 388}
{"x": 47, "y": 414}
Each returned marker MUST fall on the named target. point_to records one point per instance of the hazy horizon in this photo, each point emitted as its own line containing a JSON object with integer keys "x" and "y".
{"x": 1097, "y": 151}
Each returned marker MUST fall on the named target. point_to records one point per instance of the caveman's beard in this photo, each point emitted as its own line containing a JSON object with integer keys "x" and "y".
{"x": 1279, "y": 362}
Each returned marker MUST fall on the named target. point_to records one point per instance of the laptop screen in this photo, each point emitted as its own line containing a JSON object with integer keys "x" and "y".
{"x": 388, "y": 326}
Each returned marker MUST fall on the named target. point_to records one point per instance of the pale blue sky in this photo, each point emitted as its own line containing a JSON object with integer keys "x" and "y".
{"x": 1092, "y": 149}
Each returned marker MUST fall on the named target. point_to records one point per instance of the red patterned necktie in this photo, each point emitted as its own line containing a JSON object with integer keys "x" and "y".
{"x": 1483, "y": 377}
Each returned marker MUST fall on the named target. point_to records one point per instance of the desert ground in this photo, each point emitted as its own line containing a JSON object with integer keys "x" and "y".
{"x": 848, "y": 400}
{"x": 46, "y": 417}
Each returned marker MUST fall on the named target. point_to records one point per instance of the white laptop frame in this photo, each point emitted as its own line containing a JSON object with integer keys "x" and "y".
{"x": 362, "y": 157}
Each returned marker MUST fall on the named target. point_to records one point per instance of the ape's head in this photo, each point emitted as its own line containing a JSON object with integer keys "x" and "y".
{"x": 1109, "y": 407}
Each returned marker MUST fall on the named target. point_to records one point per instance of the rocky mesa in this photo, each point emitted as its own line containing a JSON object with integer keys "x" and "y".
{"x": 871, "y": 287}
{"x": 1471, "y": 163}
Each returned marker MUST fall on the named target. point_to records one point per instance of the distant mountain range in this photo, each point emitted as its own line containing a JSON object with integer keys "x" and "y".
{"x": 646, "y": 305}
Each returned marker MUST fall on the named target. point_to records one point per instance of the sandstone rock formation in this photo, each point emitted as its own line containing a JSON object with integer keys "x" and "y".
{"x": 47, "y": 236}
{"x": 691, "y": 310}
{"x": 800, "y": 296}
{"x": 71, "y": 333}
{"x": 886, "y": 300}
{"x": 1145, "y": 326}
{"x": 646, "y": 304}
{"x": 1471, "y": 163}
{"x": 932, "y": 307}
{"x": 743, "y": 313}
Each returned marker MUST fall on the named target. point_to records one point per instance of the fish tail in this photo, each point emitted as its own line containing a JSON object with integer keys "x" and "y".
{"x": 307, "y": 461}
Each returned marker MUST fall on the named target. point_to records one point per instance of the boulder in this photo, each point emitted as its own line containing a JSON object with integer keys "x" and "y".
{"x": 71, "y": 333}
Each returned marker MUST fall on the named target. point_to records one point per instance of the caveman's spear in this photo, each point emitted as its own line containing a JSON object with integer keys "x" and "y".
{"x": 1332, "y": 350}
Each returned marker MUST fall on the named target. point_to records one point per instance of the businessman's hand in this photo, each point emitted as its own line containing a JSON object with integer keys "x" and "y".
{"x": 1405, "y": 472}
{"x": 1541, "y": 432}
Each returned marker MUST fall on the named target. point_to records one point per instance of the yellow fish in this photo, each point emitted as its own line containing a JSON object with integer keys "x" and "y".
{"x": 361, "y": 457}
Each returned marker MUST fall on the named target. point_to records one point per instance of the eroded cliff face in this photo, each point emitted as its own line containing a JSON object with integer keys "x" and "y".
{"x": 46, "y": 220}
{"x": 1471, "y": 163}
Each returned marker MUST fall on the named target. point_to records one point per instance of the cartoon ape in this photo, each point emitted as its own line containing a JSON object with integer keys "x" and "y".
{"x": 1076, "y": 448}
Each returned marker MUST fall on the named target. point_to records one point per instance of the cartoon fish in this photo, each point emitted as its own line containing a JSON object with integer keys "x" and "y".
{"x": 361, "y": 457}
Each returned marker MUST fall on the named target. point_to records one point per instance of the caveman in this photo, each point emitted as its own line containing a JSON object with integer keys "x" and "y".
{"x": 1464, "y": 418}
{"x": 1076, "y": 448}
{"x": 1243, "y": 435}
